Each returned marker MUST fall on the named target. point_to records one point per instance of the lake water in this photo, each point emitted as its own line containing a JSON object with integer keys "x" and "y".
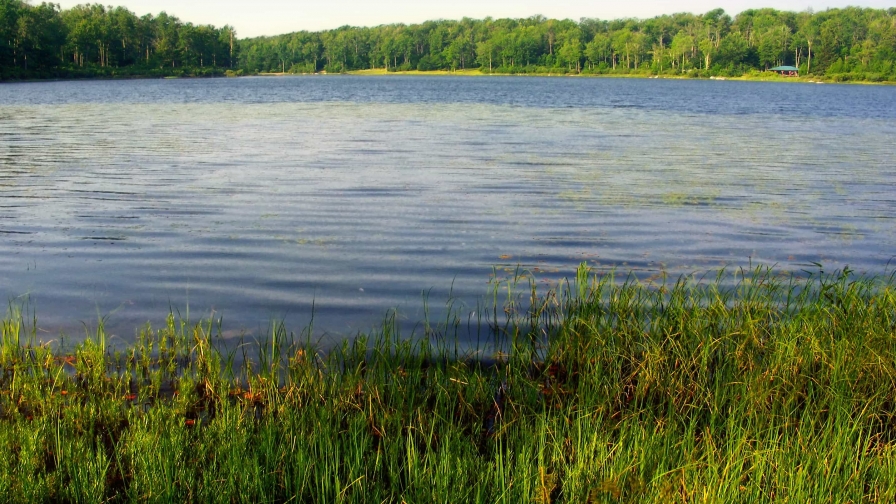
{"x": 255, "y": 199}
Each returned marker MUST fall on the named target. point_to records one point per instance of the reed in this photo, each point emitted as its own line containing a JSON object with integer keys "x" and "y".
{"x": 752, "y": 388}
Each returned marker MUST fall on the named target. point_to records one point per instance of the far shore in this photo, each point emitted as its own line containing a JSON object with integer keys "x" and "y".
{"x": 471, "y": 72}
{"x": 475, "y": 72}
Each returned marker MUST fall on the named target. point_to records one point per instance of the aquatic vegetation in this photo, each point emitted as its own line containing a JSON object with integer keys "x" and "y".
{"x": 753, "y": 388}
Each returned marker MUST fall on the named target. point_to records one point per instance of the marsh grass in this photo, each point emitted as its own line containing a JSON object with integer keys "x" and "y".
{"x": 761, "y": 388}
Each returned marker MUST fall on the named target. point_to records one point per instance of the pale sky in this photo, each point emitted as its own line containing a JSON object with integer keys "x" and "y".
{"x": 273, "y": 17}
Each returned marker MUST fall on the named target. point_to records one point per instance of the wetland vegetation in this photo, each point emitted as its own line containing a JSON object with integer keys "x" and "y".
{"x": 755, "y": 386}
{"x": 752, "y": 387}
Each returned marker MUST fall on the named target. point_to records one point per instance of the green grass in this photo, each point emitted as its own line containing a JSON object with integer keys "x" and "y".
{"x": 765, "y": 389}
{"x": 383, "y": 71}
{"x": 755, "y": 75}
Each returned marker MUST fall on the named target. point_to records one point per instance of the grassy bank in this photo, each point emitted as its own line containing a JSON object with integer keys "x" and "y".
{"x": 771, "y": 389}
{"x": 753, "y": 76}
{"x": 383, "y": 71}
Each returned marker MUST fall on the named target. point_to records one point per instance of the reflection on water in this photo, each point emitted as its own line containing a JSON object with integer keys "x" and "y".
{"x": 253, "y": 199}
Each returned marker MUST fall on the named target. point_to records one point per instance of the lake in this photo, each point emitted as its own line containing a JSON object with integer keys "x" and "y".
{"x": 260, "y": 199}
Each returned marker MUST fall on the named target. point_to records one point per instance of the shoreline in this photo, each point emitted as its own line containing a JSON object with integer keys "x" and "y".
{"x": 477, "y": 73}
{"x": 603, "y": 391}
{"x": 463, "y": 73}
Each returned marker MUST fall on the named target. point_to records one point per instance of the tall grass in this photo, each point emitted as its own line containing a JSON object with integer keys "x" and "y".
{"x": 766, "y": 389}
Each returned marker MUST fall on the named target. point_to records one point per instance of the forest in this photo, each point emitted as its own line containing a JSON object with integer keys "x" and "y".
{"x": 92, "y": 40}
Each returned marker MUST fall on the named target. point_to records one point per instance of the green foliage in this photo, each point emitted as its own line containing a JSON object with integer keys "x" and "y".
{"x": 92, "y": 40}
{"x": 752, "y": 388}
{"x": 687, "y": 44}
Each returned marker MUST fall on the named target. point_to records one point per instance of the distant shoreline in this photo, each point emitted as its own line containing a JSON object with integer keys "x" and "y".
{"x": 475, "y": 72}
{"x": 478, "y": 73}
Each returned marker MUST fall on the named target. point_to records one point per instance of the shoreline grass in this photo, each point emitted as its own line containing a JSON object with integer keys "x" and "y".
{"x": 751, "y": 77}
{"x": 474, "y": 72}
{"x": 770, "y": 389}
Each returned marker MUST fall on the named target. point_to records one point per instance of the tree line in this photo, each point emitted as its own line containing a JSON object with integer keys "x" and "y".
{"x": 847, "y": 43}
{"x": 39, "y": 41}
{"x": 843, "y": 44}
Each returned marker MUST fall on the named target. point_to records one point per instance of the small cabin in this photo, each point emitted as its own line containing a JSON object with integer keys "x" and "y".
{"x": 786, "y": 71}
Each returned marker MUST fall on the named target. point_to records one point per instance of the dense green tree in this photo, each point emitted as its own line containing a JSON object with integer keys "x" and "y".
{"x": 571, "y": 50}
{"x": 733, "y": 49}
{"x": 599, "y": 50}
{"x": 682, "y": 45}
{"x": 92, "y": 39}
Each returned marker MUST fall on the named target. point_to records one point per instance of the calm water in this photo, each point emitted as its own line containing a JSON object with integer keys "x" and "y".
{"x": 255, "y": 198}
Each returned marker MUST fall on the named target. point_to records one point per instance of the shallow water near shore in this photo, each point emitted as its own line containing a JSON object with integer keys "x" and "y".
{"x": 266, "y": 199}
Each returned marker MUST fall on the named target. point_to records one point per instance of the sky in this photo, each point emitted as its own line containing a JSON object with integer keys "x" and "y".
{"x": 273, "y": 17}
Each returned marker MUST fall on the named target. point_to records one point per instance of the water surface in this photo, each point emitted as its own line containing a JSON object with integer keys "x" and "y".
{"x": 257, "y": 198}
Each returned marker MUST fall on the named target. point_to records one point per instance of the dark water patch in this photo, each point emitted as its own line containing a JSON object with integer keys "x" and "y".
{"x": 86, "y": 191}
{"x": 372, "y": 192}
{"x": 113, "y": 217}
{"x": 99, "y": 198}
